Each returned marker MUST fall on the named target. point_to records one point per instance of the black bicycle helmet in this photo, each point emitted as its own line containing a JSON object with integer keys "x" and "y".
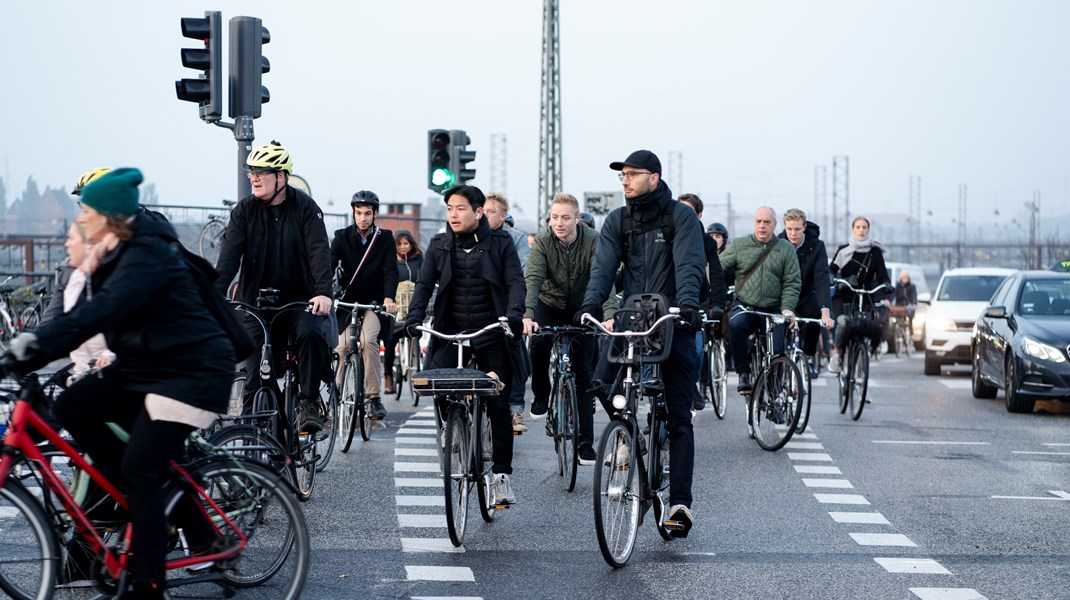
{"x": 587, "y": 219}
{"x": 366, "y": 198}
{"x": 718, "y": 229}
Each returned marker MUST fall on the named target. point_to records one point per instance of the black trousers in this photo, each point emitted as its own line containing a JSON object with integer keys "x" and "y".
{"x": 809, "y": 309}
{"x": 139, "y": 468}
{"x": 496, "y": 356}
{"x": 582, "y": 353}
{"x": 313, "y": 353}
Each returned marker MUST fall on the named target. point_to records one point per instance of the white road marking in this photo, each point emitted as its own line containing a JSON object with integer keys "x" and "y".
{"x": 418, "y": 431}
{"x": 828, "y": 483}
{"x": 415, "y": 452}
{"x": 870, "y": 518}
{"x": 8, "y": 512}
{"x": 415, "y": 440}
{"x": 956, "y": 384}
{"x": 421, "y": 520}
{"x": 817, "y": 470}
{"x": 1055, "y": 444}
{"x": 413, "y": 467}
{"x": 439, "y": 574}
{"x": 809, "y": 456}
{"x": 402, "y": 500}
{"x": 841, "y": 499}
{"x": 804, "y": 446}
{"x": 1059, "y": 495}
{"x": 947, "y": 594}
{"x": 429, "y": 544}
{"x": 417, "y": 482}
{"x": 912, "y": 565}
{"x": 882, "y": 539}
{"x": 808, "y": 435}
{"x": 931, "y": 443}
{"x": 1042, "y": 453}
{"x": 819, "y": 382}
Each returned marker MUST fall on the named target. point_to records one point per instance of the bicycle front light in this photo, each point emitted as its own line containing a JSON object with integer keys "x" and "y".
{"x": 619, "y": 402}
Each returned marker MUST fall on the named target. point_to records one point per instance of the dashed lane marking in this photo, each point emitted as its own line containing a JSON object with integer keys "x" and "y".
{"x": 947, "y": 594}
{"x": 415, "y": 467}
{"x": 421, "y": 520}
{"x": 418, "y": 431}
{"x": 806, "y": 436}
{"x": 403, "y": 500}
{"x": 882, "y": 539}
{"x": 415, "y": 452}
{"x": 1059, "y": 495}
{"x": 424, "y": 573}
{"x": 956, "y": 384}
{"x": 912, "y": 565}
{"x": 931, "y": 443}
{"x": 429, "y": 545}
{"x": 414, "y": 440}
{"x": 809, "y": 456}
{"x": 841, "y": 499}
{"x": 804, "y": 446}
{"x": 817, "y": 470}
{"x": 1041, "y": 453}
{"x": 828, "y": 483}
{"x": 417, "y": 482}
{"x": 866, "y": 518}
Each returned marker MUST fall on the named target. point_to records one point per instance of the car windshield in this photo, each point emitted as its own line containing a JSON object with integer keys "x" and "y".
{"x": 1045, "y": 297}
{"x": 970, "y": 288}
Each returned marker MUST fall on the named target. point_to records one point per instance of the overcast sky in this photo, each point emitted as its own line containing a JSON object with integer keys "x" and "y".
{"x": 753, "y": 94}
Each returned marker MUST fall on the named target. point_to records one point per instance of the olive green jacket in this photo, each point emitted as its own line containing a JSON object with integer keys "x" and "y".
{"x": 776, "y": 284}
{"x": 557, "y": 275}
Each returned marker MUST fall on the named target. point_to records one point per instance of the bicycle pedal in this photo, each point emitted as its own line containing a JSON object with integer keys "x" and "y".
{"x": 375, "y": 418}
{"x": 674, "y": 525}
{"x": 502, "y": 506}
{"x": 515, "y": 432}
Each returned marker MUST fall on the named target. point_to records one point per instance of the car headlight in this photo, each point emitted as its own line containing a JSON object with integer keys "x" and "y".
{"x": 941, "y": 324}
{"x": 1041, "y": 350}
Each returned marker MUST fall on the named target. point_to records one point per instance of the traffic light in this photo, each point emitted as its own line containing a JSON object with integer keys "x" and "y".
{"x": 439, "y": 151}
{"x": 206, "y": 90}
{"x": 247, "y": 66}
{"x": 460, "y": 156}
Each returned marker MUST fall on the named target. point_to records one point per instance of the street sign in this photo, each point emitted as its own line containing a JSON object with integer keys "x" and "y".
{"x": 602, "y": 203}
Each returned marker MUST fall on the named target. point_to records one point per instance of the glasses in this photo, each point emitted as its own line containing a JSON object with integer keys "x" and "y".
{"x": 630, "y": 175}
{"x": 260, "y": 174}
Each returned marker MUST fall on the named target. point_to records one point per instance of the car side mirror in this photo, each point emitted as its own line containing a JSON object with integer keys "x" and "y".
{"x": 996, "y": 312}
{"x": 925, "y": 298}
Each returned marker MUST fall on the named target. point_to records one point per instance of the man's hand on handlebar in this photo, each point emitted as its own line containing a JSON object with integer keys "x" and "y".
{"x": 320, "y": 305}
{"x": 530, "y": 326}
{"x": 389, "y": 306}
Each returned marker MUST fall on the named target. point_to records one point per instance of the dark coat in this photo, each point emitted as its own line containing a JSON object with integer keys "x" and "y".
{"x": 870, "y": 270}
{"x": 55, "y": 301}
{"x": 501, "y": 270}
{"x": 143, "y": 298}
{"x": 245, "y": 245}
{"x": 813, "y": 265}
{"x": 409, "y": 268}
{"x": 715, "y": 292}
{"x": 378, "y": 278}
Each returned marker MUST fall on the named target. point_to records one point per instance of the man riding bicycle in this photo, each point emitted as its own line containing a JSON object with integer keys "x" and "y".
{"x": 814, "y": 270}
{"x": 369, "y": 274}
{"x": 277, "y": 238}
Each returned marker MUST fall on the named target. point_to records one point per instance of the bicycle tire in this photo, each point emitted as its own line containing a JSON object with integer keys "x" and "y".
{"x": 841, "y": 380}
{"x": 804, "y": 406}
{"x": 718, "y": 379}
{"x": 775, "y": 403}
{"x": 859, "y": 377}
{"x": 30, "y": 317}
{"x": 210, "y": 240}
{"x": 483, "y": 462}
{"x": 659, "y": 476}
{"x": 251, "y": 442}
{"x": 278, "y": 553}
{"x": 362, "y": 406}
{"x": 568, "y": 432}
{"x": 401, "y": 352}
{"x": 327, "y": 438}
{"x": 352, "y": 400}
{"x": 30, "y": 557}
{"x": 455, "y": 473}
{"x": 301, "y": 447}
{"x": 616, "y": 494}
{"x": 415, "y": 357}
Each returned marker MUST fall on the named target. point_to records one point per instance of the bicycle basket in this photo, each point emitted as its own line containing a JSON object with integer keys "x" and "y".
{"x": 433, "y": 382}
{"x": 403, "y": 297}
{"x": 864, "y": 327}
{"x": 637, "y": 313}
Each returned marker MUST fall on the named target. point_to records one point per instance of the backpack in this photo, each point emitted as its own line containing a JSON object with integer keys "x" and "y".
{"x": 667, "y": 225}
{"x": 204, "y": 278}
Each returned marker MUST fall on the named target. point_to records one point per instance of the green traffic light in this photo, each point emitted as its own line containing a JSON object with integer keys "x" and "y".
{"x": 441, "y": 177}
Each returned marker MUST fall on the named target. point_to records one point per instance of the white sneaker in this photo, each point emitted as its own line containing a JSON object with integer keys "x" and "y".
{"x": 502, "y": 490}
{"x": 622, "y": 458}
{"x": 834, "y": 363}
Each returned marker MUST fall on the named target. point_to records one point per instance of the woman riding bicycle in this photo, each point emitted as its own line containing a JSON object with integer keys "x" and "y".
{"x": 173, "y": 369}
{"x": 861, "y": 261}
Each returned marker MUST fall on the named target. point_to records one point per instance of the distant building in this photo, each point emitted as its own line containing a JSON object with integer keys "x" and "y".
{"x": 51, "y": 213}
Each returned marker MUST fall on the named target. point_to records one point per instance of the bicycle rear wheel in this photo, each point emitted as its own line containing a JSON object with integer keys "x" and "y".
{"x": 211, "y": 240}
{"x": 325, "y": 439}
{"x": 415, "y": 358}
{"x": 277, "y": 555}
{"x": 29, "y": 553}
{"x": 718, "y": 379}
{"x": 616, "y": 494}
{"x": 775, "y": 403}
{"x": 299, "y": 445}
{"x": 659, "y": 476}
{"x": 567, "y": 431}
{"x": 401, "y": 356}
{"x": 252, "y": 442}
{"x": 352, "y": 400}
{"x": 484, "y": 464}
{"x": 455, "y": 469}
{"x": 804, "y": 406}
{"x": 858, "y": 378}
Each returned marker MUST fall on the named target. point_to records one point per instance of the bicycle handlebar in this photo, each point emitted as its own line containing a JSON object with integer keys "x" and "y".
{"x": 588, "y": 318}
{"x": 562, "y": 329}
{"x": 776, "y": 318}
{"x": 846, "y": 283}
{"x": 502, "y": 323}
{"x": 378, "y": 309}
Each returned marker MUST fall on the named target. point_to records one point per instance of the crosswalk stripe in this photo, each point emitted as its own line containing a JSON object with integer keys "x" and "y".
{"x": 912, "y": 565}
{"x": 425, "y": 573}
{"x": 881, "y": 539}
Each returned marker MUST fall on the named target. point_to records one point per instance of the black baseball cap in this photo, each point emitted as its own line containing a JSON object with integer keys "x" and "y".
{"x": 640, "y": 159}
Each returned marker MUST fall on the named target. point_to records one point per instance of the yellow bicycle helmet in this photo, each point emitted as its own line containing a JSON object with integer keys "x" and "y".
{"x": 86, "y": 178}
{"x": 270, "y": 157}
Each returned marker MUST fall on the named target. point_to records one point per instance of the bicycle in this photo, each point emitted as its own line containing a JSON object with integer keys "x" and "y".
{"x": 243, "y": 503}
{"x": 408, "y": 355}
{"x": 713, "y": 383}
{"x": 862, "y": 326}
{"x": 793, "y": 347}
{"x": 625, "y": 486}
{"x": 210, "y": 239}
{"x": 777, "y": 396}
{"x": 467, "y": 446}
{"x": 901, "y": 322}
{"x": 562, "y": 413}
{"x": 279, "y": 419}
{"x": 353, "y": 404}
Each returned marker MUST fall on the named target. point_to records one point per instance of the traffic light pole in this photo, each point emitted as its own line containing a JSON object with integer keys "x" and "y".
{"x": 243, "y": 134}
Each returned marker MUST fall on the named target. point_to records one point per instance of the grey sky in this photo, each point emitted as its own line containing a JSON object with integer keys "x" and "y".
{"x": 754, "y": 94}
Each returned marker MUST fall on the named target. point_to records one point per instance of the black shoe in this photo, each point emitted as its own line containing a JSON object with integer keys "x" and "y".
{"x": 376, "y": 410}
{"x": 308, "y": 417}
{"x": 699, "y": 403}
{"x": 538, "y": 409}
{"x": 586, "y": 454}
{"x": 744, "y": 386}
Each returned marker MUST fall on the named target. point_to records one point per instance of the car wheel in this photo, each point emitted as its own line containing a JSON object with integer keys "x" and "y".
{"x": 932, "y": 366}
{"x": 980, "y": 388}
{"x": 1015, "y": 403}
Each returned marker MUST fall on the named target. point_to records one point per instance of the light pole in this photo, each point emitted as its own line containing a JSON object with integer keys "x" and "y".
{"x": 1033, "y": 206}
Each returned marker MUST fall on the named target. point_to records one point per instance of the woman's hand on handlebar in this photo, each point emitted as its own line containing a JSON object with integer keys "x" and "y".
{"x": 320, "y": 305}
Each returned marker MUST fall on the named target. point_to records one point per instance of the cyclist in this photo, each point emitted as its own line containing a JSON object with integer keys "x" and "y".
{"x": 766, "y": 271}
{"x": 556, "y": 279}
{"x": 637, "y": 236}
{"x": 719, "y": 233}
{"x": 587, "y": 219}
{"x": 409, "y": 260}
{"x": 277, "y": 238}
{"x": 813, "y": 267}
{"x": 479, "y": 279}
{"x": 173, "y": 370}
{"x": 368, "y": 273}
{"x": 861, "y": 261}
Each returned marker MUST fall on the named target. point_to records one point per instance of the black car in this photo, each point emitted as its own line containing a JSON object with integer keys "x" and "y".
{"x": 1021, "y": 343}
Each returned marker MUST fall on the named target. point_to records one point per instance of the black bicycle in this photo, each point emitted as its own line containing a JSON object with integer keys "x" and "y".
{"x": 353, "y": 406}
{"x": 793, "y": 347}
{"x": 713, "y": 382}
{"x": 864, "y": 330}
{"x": 562, "y": 413}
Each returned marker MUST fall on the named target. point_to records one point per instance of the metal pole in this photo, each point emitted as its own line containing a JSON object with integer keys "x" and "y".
{"x": 243, "y": 134}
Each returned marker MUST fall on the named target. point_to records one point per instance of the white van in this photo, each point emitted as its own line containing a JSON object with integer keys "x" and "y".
{"x": 917, "y": 277}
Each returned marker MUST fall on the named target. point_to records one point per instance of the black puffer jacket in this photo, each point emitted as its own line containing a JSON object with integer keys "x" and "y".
{"x": 652, "y": 265}
{"x": 245, "y": 245}
{"x": 145, "y": 302}
{"x": 813, "y": 265}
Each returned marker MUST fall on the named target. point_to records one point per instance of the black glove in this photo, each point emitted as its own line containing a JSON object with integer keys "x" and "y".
{"x": 691, "y": 317}
{"x": 593, "y": 309}
{"x": 410, "y": 330}
{"x": 716, "y": 313}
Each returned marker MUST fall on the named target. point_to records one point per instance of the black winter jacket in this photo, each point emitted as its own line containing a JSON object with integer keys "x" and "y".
{"x": 245, "y": 245}
{"x": 145, "y": 302}
{"x": 501, "y": 270}
{"x": 378, "y": 278}
{"x": 870, "y": 270}
{"x": 715, "y": 292}
{"x": 409, "y": 268}
{"x": 652, "y": 265}
{"x": 813, "y": 265}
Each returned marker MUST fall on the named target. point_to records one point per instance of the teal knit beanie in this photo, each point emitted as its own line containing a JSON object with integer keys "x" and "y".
{"x": 114, "y": 194}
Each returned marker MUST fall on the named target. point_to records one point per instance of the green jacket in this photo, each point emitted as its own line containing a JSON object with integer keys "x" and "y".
{"x": 556, "y": 275}
{"x": 776, "y": 284}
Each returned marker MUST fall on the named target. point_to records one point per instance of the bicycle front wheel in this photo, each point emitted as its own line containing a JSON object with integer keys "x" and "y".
{"x": 616, "y": 494}
{"x": 251, "y": 442}
{"x": 567, "y": 431}
{"x": 211, "y": 240}
{"x": 263, "y": 507}
{"x": 29, "y": 554}
{"x": 352, "y": 400}
{"x": 718, "y": 380}
{"x": 455, "y": 468}
{"x": 858, "y": 378}
{"x": 804, "y": 406}
{"x": 775, "y": 403}
{"x": 325, "y": 439}
{"x": 301, "y": 446}
{"x": 415, "y": 358}
{"x": 484, "y": 463}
